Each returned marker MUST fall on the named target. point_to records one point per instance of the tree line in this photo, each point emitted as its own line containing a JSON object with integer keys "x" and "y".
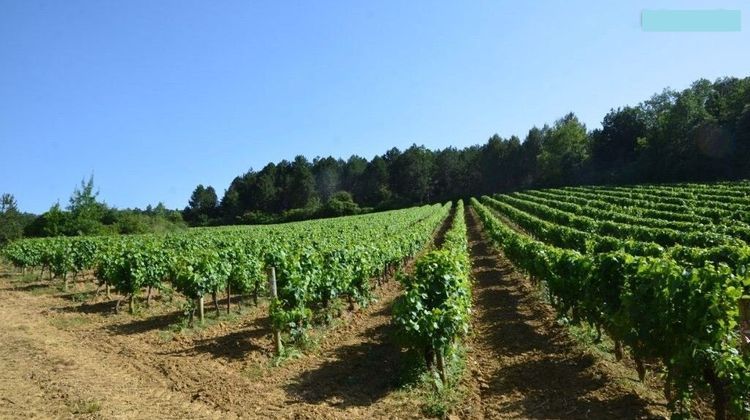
{"x": 84, "y": 215}
{"x": 701, "y": 133}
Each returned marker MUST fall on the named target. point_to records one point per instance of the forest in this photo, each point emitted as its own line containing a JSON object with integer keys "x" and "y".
{"x": 702, "y": 133}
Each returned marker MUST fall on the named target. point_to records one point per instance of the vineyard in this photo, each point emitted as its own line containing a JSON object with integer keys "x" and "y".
{"x": 660, "y": 270}
{"x": 316, "y": 262}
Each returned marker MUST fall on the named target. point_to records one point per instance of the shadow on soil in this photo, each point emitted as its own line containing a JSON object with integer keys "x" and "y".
{"x": 103, "y": 307}
{"x": 235, "y": 345}
{"x": 30, "y": 287}
{"x": 358, "y": 375}
{"x": 140, "y": 326}
{"x": 447, "y": 223}
{"x": 77, "y": 296}
{"x": 552, "y": 376}
{"x": 361, "y": 374}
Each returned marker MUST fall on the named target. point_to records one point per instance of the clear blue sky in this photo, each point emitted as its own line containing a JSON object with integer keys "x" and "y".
{"x": 155, "y": 97}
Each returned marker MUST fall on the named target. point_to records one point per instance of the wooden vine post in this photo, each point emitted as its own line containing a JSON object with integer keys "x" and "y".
{"x": 440, "y": 359}
{"x": 229, "y": 297}
{"x": 274, "y": 296}
{"x": 200, "y": 309}
{"x": 131, "y": 303}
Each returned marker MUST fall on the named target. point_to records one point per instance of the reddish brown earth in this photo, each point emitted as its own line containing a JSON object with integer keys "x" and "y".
{"x": 524, "y": 365}
{"x": 60, "y": 358}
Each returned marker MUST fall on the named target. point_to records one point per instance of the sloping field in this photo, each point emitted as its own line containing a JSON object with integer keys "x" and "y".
{"x": 586, "y": 302}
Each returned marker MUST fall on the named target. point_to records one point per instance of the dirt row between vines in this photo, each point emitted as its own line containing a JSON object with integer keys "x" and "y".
{"x": 524, "y": 365}
{"x": 64, "y": 359}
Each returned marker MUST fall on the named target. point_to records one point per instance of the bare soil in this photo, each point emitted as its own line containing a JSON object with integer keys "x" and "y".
{"x": 522, "y": 364}
{"x": 61, "y": 357}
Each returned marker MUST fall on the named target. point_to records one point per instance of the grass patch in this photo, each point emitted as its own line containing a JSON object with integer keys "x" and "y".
{"x": 69, "y": 322}
{"x": 329, "y": 315}
{"x": 253, "y": 371}
{"x": 444, "y": 397}
{"x": 411, "y": 370}
{"x": 210, "y": 319}
{"x": 438, "y": 399}
{"x": 27, "y": 278}
{"x": 586, "y": 336}
{"x": 44, "y": 289}
{"x": 80, "y": 297}
{"x": 307, "y": 340}
{"x": 287, "y": 353}
{"x": 307, "y": 343}
{"x": 166, "y": 335}
{"x": 85, "y": 407}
